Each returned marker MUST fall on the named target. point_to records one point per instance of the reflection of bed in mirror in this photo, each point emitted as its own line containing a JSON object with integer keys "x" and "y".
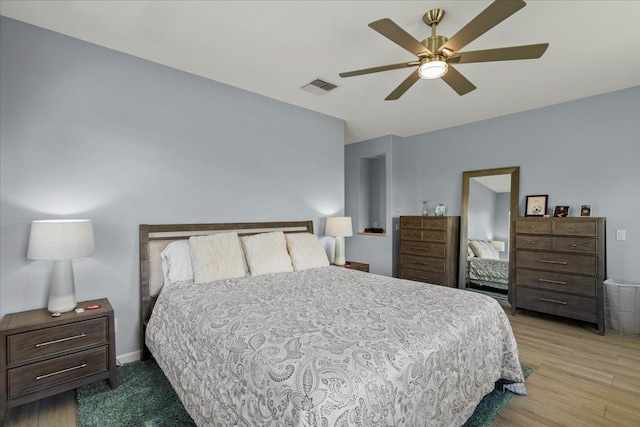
{"x": 485, "y": 269}
{"x": 489, "y": 202}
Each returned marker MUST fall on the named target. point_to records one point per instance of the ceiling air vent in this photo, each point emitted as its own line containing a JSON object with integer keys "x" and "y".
{"x": 318, "y": 87}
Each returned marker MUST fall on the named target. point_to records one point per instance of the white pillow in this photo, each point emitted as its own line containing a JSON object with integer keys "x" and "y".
{"x": 306, "y": 251}
{"x": 484, "y": 249}
{"x": 176, "y": 262}
{"x": 216, "y": 257}
{"x": 267, "y": 253}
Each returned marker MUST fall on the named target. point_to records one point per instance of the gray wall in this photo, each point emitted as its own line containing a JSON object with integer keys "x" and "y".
{"x": 90, "y": 132}
{"x": 482, "y": 210}
{"x": 580, "y": 152}
{"x": 501, "y": 223}
{"x": 375, "y": 250}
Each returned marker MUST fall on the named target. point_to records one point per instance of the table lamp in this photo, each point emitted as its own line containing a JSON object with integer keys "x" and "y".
{"x": 339, "y": 227}
{"x": 498, "y": 244}
{"x": 61, "y": 240}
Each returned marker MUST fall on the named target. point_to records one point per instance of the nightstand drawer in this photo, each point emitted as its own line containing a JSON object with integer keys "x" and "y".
{"x": 49, "y": 341}
{"x": 37, "y": 376}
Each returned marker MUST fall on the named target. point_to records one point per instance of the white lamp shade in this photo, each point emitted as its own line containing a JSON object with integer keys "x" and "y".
{"x": 61, "y": 239}
{"x": 339, "y": 226}
{"x": 498, "y": 244}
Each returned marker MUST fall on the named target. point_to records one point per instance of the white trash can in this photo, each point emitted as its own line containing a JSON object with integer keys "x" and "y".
{"x": 622, "y": 307}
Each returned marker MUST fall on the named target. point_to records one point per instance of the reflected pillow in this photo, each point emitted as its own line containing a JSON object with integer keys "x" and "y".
{"x": 484, "y": 249}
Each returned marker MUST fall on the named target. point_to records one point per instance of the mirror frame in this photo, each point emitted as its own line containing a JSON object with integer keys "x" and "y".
{"x": 514, "y": 171}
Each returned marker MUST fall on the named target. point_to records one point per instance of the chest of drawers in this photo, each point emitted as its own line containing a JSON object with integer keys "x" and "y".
{"x": 559, "y": 267}
{"x": 41, "y": 355}
{"x": 429, "y": 248}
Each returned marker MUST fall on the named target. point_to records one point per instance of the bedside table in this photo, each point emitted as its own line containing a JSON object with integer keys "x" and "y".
{"x": 42, "y": 355}
{"x": 360, "y": 266}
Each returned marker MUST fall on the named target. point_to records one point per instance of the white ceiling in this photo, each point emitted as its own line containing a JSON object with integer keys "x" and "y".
{"x": 275, "y": 47}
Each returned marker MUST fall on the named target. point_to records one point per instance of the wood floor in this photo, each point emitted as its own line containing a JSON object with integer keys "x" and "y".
{"x": 580, "y": 379}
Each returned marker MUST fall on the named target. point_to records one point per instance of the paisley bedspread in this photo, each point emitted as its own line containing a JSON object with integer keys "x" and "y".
{"x": 330, "y": 347}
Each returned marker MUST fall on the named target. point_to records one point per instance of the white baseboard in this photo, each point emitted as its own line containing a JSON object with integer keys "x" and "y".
{"x": 128, "y": 357}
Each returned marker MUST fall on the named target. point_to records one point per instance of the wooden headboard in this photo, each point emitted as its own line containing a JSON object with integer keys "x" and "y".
{"x": 167, "y": 232}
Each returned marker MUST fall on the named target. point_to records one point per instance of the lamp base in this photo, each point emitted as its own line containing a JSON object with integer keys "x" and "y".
{"x": 62, "y": 293}
{"x": 339, "y": 257}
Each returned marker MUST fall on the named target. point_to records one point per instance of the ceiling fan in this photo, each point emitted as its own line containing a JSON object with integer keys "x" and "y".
{"x": 437, "y": 54}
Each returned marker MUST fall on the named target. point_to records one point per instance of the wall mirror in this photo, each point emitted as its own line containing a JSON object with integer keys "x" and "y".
{"x": 489, "y": 205}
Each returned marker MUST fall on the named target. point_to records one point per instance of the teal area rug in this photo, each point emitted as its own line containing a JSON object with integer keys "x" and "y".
{"x": 144, "y": 398}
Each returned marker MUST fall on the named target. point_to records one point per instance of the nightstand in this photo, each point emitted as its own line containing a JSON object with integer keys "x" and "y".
{"x": 42, "y": 355}
{"x": 360, "y": 266}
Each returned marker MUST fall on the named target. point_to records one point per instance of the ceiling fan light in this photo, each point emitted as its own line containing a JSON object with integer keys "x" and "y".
{"x": 432, "y": 68}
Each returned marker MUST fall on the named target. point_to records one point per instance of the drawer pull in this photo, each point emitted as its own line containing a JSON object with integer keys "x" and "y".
{"x": 418, "y": 262}
{"x": 553, "y": 301}
{"x": 41, "y": 377}
{"x": 546, "y": 261}
{"x": 42, "y": 344}
{"x": 557, "y": 282}
{"x": 533, "y": 243}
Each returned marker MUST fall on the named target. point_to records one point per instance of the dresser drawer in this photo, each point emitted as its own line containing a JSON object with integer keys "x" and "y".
{"x": 410, "y": 222}
{"x": 436, "y": 265}
{"x": 561, "y": 262}
{"x": 37, "y": 376}
{"x": 575, "y": 244}
{"x": 434, "y": 236}
{"x": 433, "y": 223}
{"x": 422, "y": 276}
{"x": 48, "y": 341}
{"x": 423, "y": 248}
{"x": 576, "y": 228}
{"x": 556, "y": 303}
{"x": 411, "y": 234}
{"x": 533, "y": 226}
{"x": 534, "y": 242}
{"x": 550, "y": 281}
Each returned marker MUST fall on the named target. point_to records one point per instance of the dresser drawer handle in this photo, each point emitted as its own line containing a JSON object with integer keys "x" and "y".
{"x": 418, "y": 262}
{"x": 41, "y": 377}
{"x": 42, "y": 344}
{"x": 552, "y": 281}
{"x": 533, "y": 242}
{"x": 553, "y": 301}
{"x": 546, "y": 261}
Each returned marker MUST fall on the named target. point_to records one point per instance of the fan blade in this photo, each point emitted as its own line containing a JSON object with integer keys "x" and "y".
{"x": 378, "y": 69}
{"x": 494, "y": 14}
{"x": 404, "y": 86}
{"x": 531, "y": 51}
{"x": 457, "y": 81}
{"x": 393, "y": 32}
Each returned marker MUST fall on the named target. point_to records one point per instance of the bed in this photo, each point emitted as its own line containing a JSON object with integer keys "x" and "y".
{"x": 324, "y": 346}
{"x": 484, "y": 268}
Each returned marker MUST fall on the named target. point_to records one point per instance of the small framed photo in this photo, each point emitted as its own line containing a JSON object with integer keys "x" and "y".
{"x": 585, "y": 210}
{"x": 536, "y": 205}
{"x": 561, "y": 211}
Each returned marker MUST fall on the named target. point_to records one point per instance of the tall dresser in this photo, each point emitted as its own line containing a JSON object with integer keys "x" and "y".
{"x": 559, "y": 267}
{"x": 429, "y": 249}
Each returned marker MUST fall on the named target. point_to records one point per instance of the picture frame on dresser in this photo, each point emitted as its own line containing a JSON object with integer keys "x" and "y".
{"x": 561, "y": 211}
{"x": 536, "y": 205}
